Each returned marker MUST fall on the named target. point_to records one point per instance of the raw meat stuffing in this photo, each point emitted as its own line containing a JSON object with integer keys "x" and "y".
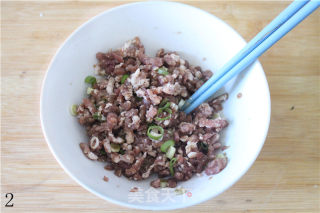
{"x": 133, "y": 120}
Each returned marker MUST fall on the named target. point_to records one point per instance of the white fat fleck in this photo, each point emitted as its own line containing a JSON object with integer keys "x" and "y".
{"x": 190, "y": 146}
{"x": 92, "y": 156}
{"x": 200, "y": 137}
{"x": 184, "y": 138}
{"x": 41, "y": 14}
{"x": 115, "y": 158}
{"x": 152, "y": 153}
{"x": 137, "y": 81}
{"x": 128, "y": 44}
{"x": 135, "y": 118}
{"x": 106, "y": 145}
{"x": 182, "y": 68}
{"x": 140, "y": 93}
{"x": 118, "y": 65}
{"x": 110, "y": 86}
{"x": 192, "y": 154}
{"x": 108, "y": 105}
{"x": 175, "y": 57}
{"x": 96, "y": 69}
{"x": 147, "y": 173}
{"x": 166, "y": 122}
{"x": 190, "y": 76}
{"x": 90, "y": 108}
{"x": 100, "y": 108}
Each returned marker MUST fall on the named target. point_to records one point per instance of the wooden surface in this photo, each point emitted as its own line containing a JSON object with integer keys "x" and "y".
{"x": 285, "y": 177}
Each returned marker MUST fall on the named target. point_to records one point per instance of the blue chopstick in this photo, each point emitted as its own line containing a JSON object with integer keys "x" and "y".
{"x": 251, "y": 57}
{"x": 260, "y": 37}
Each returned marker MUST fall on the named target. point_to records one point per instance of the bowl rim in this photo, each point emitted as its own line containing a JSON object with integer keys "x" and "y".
{"x": 141, "y": 206}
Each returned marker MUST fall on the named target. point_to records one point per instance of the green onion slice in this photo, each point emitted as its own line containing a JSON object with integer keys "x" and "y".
{"x": 102, "y": 152}
{"x": 163, "y": 183}
{"x": 166, "y": 106}
{"x": 155, "y": 132}
{"x": 90, "y": 80}
{"x": 165, "y": 146}
{"x": 181, "y": 103}
{"x": 171, "y": 164}
{"x": 98, "y": 116}
{"x": 89, "y": 90}
{"x": 170, "y": 152}
{"x": 169, "y": 111}
{"x": 163, "y": 119}
{"x": 180, "y": 191}
{"x": 216, "y": 115}
{"x": 163, "y": 71}
{"x": 163, "y": 102}
{"x": 74, "y": 109}
{"x": 124, "y": 78}
{"x": 139, "y": 98}
{"x": 204, "y": 146}
{"x": 115, "y": 147}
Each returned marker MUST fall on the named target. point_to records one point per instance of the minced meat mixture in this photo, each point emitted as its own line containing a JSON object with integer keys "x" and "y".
{"x": 133, "y": 121}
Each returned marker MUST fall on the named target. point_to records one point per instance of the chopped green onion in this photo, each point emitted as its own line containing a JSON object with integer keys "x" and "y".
{"x": 121, "y": 151}
{"x": 166, "y": 106}
{"x": 102, "y": 152}
{"x": 171, "y": 164}
{"x": 98, "y": 116}
{"x": 165, "y": 146}
{"x": 181, "y": 103}
{"x": 163, "y": 71}
{"x": 90, "y": 80}
{"x": 216, "y": 115}
{"x": 170, "y": 152}
{"x": 153, "y": 132}
{"x": 220, "y": 155}
{"x": 124, "y": 78}
{"x": 168, "y": 110}
{"x": 115, "y": 147}
{"x": 203, "y": 146}
{"x": 165, "y": 118}
{"x": 163, "y": 183}
{"x": 74, "y": 109}
{"x": 89, "y": 90}
{"x": 180, "y": 191}
{"x": 163, "y": 102}
{"x": 139, "y": 98}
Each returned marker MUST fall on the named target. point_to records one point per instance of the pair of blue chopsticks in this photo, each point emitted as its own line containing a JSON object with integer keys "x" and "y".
{"x": 296, "y": 12}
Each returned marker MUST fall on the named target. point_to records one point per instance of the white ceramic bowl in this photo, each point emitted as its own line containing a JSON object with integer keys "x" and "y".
{"x": 193, "y": 33}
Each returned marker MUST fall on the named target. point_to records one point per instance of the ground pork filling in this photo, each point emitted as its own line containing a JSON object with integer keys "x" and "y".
{"x": 133, "y": 121}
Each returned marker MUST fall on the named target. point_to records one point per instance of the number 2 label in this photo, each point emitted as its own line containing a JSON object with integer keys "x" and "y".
{"x": 9, "y": 196}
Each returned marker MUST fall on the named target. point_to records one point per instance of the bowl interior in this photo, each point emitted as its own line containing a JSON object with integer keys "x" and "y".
{"x": 200, "y": 38}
